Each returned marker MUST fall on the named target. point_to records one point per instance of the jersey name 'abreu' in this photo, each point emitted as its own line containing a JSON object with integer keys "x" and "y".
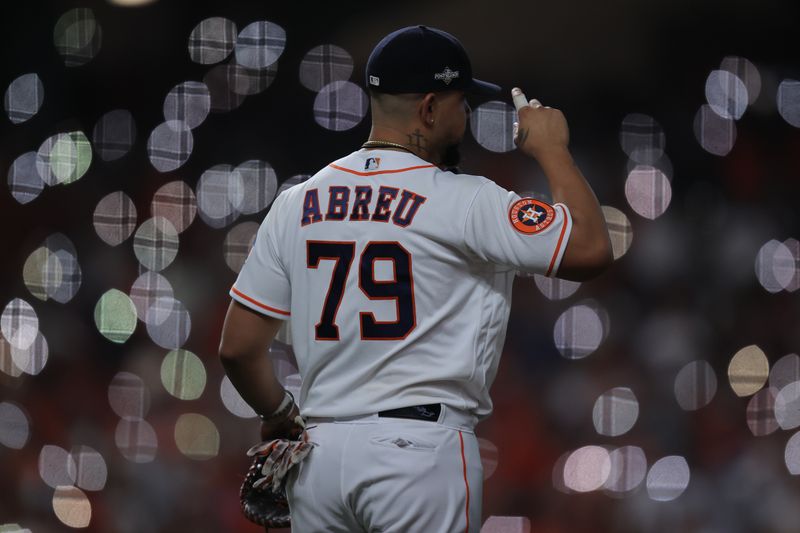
{"x": 379, "y": 203}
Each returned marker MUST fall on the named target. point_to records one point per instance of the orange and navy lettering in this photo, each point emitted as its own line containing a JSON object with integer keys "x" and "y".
{"x": 338, "y": 198}
{"x": 384, "y": 210}
{"x": 361, "y": 204}
{"x": 311, "y": 212}
{"x": 416, "y": 201}
{"x": 386, "y": 196}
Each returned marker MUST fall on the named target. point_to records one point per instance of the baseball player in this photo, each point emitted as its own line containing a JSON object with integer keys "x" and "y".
{"x": 396, "y": 275}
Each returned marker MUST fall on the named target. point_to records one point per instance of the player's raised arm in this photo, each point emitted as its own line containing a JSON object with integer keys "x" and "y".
{"x": 543, "y": 134}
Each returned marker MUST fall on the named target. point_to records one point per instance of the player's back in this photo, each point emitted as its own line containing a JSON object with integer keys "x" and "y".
{"x": 385, "y": 307}
{"x": 397, "y": 278}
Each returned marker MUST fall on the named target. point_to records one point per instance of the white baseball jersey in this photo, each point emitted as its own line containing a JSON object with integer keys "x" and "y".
{"x": 397, "y": 279}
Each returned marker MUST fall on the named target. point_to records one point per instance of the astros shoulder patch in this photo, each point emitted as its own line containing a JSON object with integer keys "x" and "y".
{"x": 531, "y": 216}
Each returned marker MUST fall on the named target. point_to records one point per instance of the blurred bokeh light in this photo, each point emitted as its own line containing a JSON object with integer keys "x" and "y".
{"x": 143, "y": 142}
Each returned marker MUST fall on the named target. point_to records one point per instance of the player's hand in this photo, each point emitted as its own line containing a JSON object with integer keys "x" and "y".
{"x": 290, "y": 427}
{"x": 541, "y": 130}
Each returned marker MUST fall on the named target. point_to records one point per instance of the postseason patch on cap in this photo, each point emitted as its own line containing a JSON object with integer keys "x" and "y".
{"x": 530, "y": 216}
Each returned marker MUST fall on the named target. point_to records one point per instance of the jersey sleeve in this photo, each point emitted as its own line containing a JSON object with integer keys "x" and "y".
{"x": 525, "y": 234}
{"x": 263, "y": 283}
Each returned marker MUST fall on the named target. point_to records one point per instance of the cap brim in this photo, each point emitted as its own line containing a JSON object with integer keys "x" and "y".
{"x": 483, "y": 88}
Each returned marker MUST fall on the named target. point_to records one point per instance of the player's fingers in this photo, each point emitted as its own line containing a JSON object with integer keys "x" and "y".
{"x": 518, "y": 98}
{"x": 535, "y": 103}
{"x": 515, "y": 129}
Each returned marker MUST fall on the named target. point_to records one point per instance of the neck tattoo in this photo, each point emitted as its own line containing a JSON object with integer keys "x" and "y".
{"x": 417, "y": 139}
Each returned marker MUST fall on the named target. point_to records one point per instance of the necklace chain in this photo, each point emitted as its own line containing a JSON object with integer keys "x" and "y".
{"x": 385, "y": 144}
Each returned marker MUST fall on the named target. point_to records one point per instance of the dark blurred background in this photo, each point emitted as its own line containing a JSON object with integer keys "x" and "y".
{"x": 661, "y": 396}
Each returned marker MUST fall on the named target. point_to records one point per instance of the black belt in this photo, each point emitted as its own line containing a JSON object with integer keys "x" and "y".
{"x": 429, "y": 412}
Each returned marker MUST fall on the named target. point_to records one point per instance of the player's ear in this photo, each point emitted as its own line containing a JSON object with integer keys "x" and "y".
{"x": 427, "y": 109}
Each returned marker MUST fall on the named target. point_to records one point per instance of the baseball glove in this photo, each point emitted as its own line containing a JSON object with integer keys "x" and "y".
{"x": 263, "y": 507}
{"x": 285, "y": 443}
{"x": 263, "y": 493}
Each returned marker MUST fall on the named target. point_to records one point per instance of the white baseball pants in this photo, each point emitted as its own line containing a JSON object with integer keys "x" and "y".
{"x": 388, "y": 475}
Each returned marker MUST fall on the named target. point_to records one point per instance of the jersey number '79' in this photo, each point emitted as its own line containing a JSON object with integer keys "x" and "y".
{"x": 400, "y": 289}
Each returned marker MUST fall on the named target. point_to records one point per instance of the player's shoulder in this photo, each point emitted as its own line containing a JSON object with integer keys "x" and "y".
{"x": 460, "y": 188}
{"x": 461, "y": 180}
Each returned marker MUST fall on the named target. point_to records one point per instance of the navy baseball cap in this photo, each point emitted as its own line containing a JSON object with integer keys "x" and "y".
{"x": 420, "y": 59}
